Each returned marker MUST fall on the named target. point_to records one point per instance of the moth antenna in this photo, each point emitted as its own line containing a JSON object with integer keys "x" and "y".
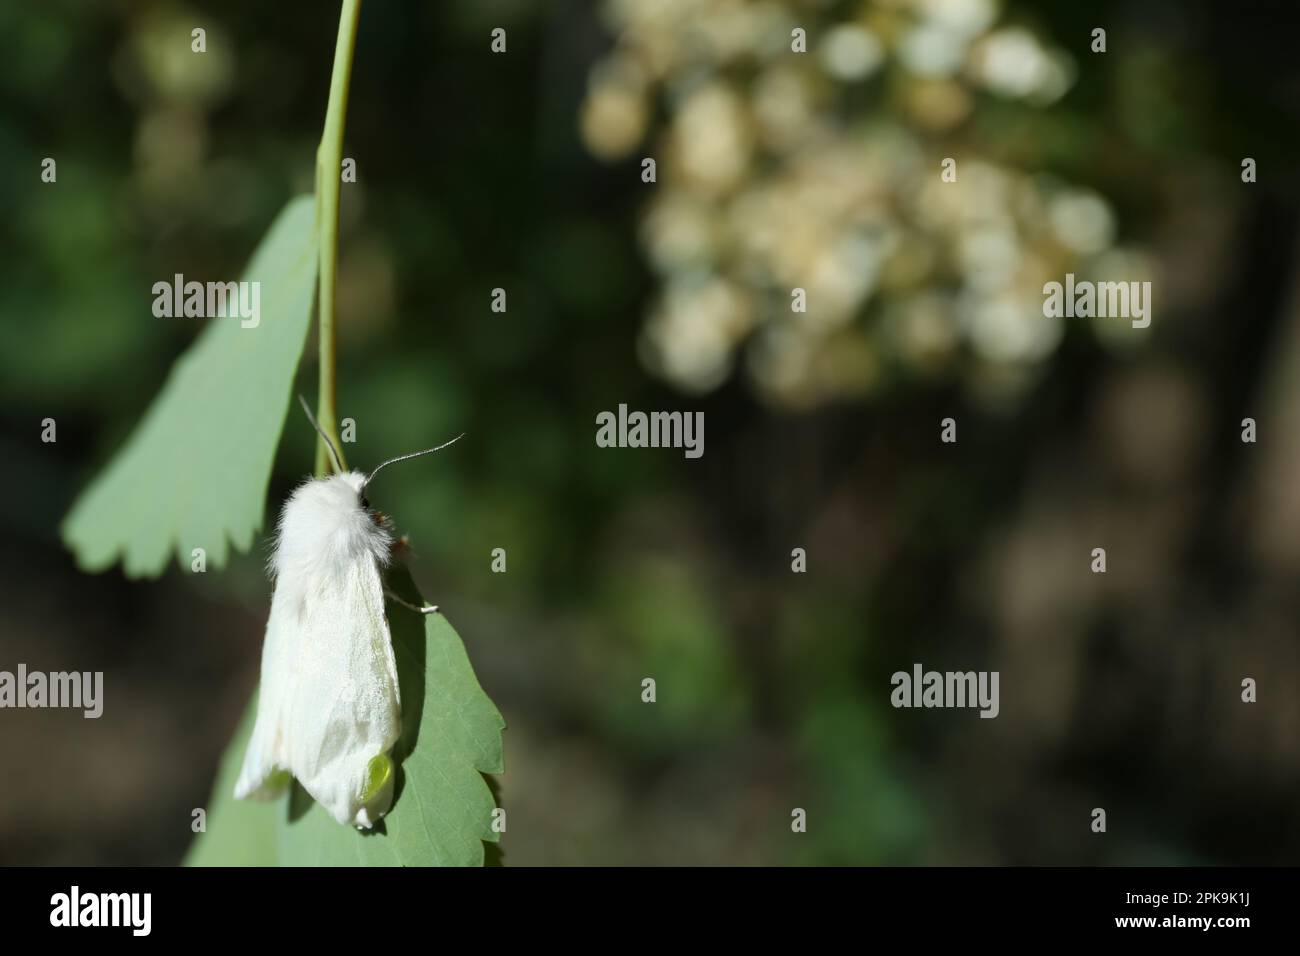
{"x": 414, "y": 454}
{"x": 334, "y": 453}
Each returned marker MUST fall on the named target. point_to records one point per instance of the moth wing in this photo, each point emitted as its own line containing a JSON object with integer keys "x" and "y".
{"x": 265, "y": 770}
{"x": 345, "y": 708}
{"x": 329, "y": 700}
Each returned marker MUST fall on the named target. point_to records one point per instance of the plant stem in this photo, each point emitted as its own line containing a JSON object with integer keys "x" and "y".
{"x": 329, "y": 161}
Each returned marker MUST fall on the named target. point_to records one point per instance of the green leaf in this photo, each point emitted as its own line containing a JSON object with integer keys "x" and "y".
{"x": 195, "y": 470}
{"x": 239, "y": 832}
{"x": 451, "y": 731}
{"x": 442, "y": 808}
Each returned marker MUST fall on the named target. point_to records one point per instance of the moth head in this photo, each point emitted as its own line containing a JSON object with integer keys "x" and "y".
{"x": 357, "y": 482}
{"x": 377, "y": 516}
{"x": 353, "y": 480}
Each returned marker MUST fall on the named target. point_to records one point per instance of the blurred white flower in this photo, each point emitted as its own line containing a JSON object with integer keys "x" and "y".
{"x": 850, "y": 52}
{"x": 613, "y": 120}
{"x": 1082, "y": 221}
{"x": 783, "y": 108}
{"x": 677, "y": 232}
{"x": 932, "y": 50}
{"x": 711, "y": 139}
{"x": 691, "y": 335}
{"x": 1011, "y": 328}
{"x": 962, "y": 17}
{"x": 989, "y": 255}
{"x": 1012, "y": 63}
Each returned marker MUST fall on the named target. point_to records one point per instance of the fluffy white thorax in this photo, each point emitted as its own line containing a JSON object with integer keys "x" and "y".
{"x": 324, "y": 530}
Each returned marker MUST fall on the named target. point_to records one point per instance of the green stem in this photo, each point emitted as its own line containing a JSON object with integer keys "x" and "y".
{"x": 329, "y": 161}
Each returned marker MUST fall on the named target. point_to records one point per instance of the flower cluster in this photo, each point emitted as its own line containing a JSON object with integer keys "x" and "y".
{"x": 796, "y": 152}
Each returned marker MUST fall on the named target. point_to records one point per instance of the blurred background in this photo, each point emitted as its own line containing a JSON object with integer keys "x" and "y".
{"x": 775, "y": 170}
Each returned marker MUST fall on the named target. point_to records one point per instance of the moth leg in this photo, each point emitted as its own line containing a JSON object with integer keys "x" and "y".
{"x": 427, "y": 609}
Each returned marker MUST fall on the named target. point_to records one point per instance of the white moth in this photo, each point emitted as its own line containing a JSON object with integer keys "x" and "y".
{"x": 328, "y": 710}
